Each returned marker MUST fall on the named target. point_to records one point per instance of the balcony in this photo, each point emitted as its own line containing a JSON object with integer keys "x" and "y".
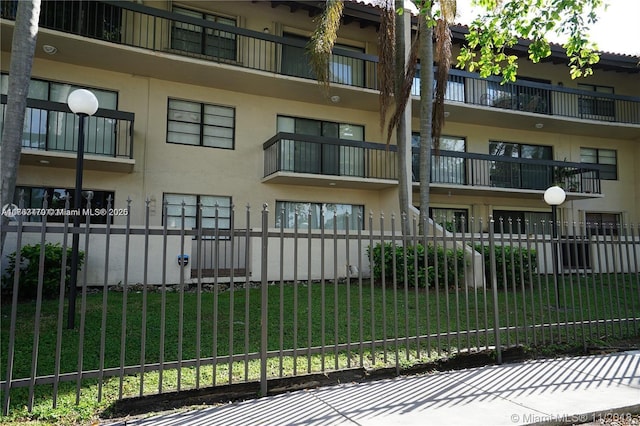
{"x": 538, "y": 98}
{"x": 312, "y": 160}
{"x": 133, "y": 25}
{"x": 466, "y": 173}
{"x": 318, "y": 161}
{"x": 51, "y": 131}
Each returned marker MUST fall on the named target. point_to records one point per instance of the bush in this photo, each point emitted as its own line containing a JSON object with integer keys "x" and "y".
{"x": 515, "y": 261}
{"x": 28, "y": 264}
{"x": 415, "y": 256}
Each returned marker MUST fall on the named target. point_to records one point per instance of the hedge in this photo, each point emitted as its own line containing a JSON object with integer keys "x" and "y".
{"x": 515, "y": 261}
{"x": 454, "y": 264}
{"x": 28, "y": 264}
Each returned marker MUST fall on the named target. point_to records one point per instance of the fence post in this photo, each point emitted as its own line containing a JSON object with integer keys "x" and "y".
{"x": 494, "y": 290}
{"x": 264, "y": 300}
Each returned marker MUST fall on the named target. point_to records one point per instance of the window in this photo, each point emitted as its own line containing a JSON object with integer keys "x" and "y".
{"x": 193, "y": 123}
{"x": 312, "y": 157}
{"x": 333, "y": 213}
{"x": 522, "y": 222}
{"x": 444, "y": 168}
{"x": 519, "y": 97}
{"x": 603, "y": 223}
{"x": 455, "y": 87}
{"x": 450, "y": 217}
{"x": 606, "y": 158}
{"x": 204, "y": 41}
{"x": 34, "y": 198}
{"x": 507, "y": 174}
{"x": 343, "y": 69}
{"x": 212, "y": 208}
{"x": 58, "y": 131}
{"x": 594, "y": 106}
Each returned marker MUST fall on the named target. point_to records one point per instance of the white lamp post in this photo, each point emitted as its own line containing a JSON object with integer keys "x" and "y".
{"x": 554, "y": 196}
{"x": 83, "y": 103}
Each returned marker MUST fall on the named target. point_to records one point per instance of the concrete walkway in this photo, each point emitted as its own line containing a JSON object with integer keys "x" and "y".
{"x": 559, "y": 391}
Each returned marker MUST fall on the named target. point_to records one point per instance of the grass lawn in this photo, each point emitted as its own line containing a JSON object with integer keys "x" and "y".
{"x": 299, "y": 316}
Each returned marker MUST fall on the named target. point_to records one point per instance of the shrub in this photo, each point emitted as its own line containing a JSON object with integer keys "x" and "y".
{"x": 515, "y": 261}
{"x": 28, "y": 264}
{"x": 415, "y": 255}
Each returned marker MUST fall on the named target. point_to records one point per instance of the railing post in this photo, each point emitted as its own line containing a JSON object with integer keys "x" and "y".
{"x": 264, "y": 300}
{"x": 130, "y": 140}
{"x": 494, "y": 290}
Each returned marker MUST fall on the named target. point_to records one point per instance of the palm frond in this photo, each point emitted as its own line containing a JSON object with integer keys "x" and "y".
{"x": 323, "y": 39}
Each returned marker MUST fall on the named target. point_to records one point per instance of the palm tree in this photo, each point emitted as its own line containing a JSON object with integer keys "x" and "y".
{"x": 489, "y": 37}
{"x": 391, "y": 78}
{"x": 22, "y": 50}
{"x": 432, "y": 107}
{"x": 395, "y": 79}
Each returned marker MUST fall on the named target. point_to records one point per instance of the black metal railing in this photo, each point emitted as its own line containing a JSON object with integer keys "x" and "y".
{"x": 288, "y": 152}
{"x": 538, "y": 98}
{"x": 150, "y": 28}
{"x": 484, "y": 170}
{"x": 145, "y": 27}
{"x": 51, "y": 126}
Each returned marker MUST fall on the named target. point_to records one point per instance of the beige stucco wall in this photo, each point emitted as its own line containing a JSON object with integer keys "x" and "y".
{"x": 171, "y": 168}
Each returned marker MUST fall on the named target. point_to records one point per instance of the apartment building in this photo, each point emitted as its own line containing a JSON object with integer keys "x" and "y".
{"x": 213, "y": 102}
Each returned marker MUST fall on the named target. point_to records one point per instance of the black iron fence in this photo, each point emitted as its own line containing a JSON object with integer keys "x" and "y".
{"x": 137, "y": 25}
{"x": 51, "y": 126}
{"x": 308, "y": 300}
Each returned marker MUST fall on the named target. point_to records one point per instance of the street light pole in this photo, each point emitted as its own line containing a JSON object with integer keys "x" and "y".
{"x": 554, "y": 196}
{"x": 84, "y": 104}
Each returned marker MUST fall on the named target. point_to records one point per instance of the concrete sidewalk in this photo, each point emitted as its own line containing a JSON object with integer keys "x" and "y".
{"x": 560, "y": 391}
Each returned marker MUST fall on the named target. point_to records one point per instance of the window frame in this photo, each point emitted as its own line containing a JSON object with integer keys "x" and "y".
{"x": 517, "y": 97}
{"x": 335, "y": 159}
{"x": 196, "y": 217}
{"x": 454, "y": 211}
{"x": 520, "y": 175}
{"x": 322, "y": 206}
{"x": 600, "y": 229}
{"x": 357, "y": 70}
{"x": 415, "y": 160}
{"x": 201, "y": 124}
{"x": 523, "y": 215}
{"x": 96, "y": 203}
{"x": 594, "y": 102}
{"x": 205, "y": 16}
{"x": 597, "y": 157}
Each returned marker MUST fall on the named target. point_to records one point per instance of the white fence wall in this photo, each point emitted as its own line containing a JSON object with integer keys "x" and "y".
{"x": 325, "y": 259}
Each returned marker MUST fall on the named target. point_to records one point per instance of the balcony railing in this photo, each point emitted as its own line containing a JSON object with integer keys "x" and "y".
{"x": 288, "y": 152}
{"x": 133, "y": 24}
{"x": 538, "y": 98}
{"x": 292, "y": 153}
{"x": 483, "y": 170}
{"x": 51, "y": 126}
